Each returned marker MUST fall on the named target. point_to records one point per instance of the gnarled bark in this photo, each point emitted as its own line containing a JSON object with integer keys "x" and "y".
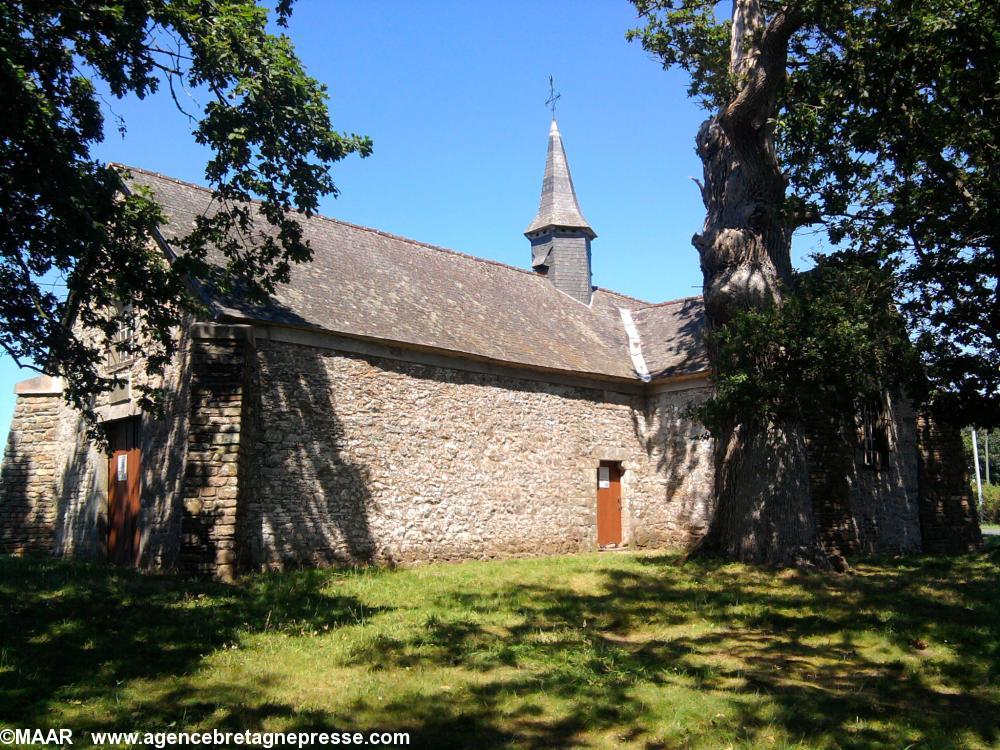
{"x": 764, "y": 511}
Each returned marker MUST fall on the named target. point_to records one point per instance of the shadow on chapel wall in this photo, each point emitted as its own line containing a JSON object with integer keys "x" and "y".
{"x": 309, "y": 503}
{"x": 679, "y": 447}
{"x": 27, "y": 512}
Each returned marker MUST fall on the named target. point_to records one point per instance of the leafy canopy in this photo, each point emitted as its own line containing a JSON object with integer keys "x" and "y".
{"x": 72, "y": 246}
{"x": 835, "y": 342}
{"x": 886, "y": 129}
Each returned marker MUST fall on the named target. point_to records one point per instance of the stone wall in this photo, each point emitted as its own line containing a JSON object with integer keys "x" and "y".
{"x": 863, "y": 509}
{"x": 53, "y": 482}
{"x": 297, "y": 454}
{"x": 362, "y": 458}
{"x": 948, "y": 517}
{"x": 29, "y": 480}
{"x": 884, "y": 498}
{"x": 674, "y": 498}
{"x": 271, "y": 453}
{"x": 50, "y": 473}
{"x": 832, "y": 471}
{"x": 83, "y": 498}
{"x": 221, "y": 358}
{"x": 81, "y": 529}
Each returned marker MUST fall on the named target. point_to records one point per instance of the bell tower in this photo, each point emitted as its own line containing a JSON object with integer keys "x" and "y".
{"x": 559, "y": 235}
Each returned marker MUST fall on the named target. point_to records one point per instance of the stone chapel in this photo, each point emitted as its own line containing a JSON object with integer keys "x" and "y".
{"x": 400, "y": 402}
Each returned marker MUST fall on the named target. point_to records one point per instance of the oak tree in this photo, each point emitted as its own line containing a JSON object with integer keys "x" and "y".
{"x": 876, "y": 121}
{"x": 73, "y": 245}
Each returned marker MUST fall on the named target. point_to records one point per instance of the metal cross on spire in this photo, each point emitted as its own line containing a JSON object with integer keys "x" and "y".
{"x": 553, "y": 97}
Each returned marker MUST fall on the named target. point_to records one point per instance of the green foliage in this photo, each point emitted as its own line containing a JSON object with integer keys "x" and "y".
{"x": 71, "y": 247}
{"x": 688, "y": 35}
{"x": 988, "y": 441}
{"x": 991, "y": 490}
{"x": 890, "y": 131}
{"x": 834, "y": 342}
{"x": 991, "y": 503}
{"x": 886, "y": 129}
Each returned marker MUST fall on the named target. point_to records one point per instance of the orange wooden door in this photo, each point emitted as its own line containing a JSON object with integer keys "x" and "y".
{"x": 609, "y": 504}
{"x": 123, "y": 493}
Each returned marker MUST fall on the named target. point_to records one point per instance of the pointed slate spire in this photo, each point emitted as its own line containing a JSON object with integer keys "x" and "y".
{"x": 558, "y": 206}
{"x": 560, "y": 236}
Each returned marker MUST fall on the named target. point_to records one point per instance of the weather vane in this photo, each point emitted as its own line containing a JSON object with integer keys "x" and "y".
{"x": 553, "y": 97}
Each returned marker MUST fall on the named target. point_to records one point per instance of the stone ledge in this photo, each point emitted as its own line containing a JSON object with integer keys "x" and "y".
{"x": 610, "y": 453}
{"x": 43, "y": 385}
{"x": 230, "y": 332}
{"x": 112, "y": 412}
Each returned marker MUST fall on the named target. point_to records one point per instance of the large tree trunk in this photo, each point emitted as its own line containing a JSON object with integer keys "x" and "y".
{"x": 764, "y": 510}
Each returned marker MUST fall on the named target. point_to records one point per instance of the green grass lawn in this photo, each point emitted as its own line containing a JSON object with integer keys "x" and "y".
{"x": 991, "y": 527}
{"x": 592, "y": 650}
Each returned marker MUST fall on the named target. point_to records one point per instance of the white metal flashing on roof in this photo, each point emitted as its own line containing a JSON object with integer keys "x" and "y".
{"x": 634, "y": 346}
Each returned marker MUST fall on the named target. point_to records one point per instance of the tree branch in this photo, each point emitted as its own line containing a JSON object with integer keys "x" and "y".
{"x": 176, "y": 56}
{"x": 803, "y": 217}
{"x": 764, "y": 75}
{"x": 747, "y": 21}
{"x": 173, "y": 95}
{"x": 949, "y": 173}
{"x": 17, "y": 360}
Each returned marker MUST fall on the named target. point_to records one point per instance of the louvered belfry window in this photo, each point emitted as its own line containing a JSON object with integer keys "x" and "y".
{"x": 120, "y": 354}
{"x": 123, "y": 338}
{"x": 871, "y": 433}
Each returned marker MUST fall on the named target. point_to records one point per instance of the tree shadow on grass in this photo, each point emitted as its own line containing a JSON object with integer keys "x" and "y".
{"x": 903, "y": 653}
{"x": 76, "y": 632}
{"x": 807, "y": 657}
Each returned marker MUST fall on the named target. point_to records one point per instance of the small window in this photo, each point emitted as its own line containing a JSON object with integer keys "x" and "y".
{"x": 871, "y": 434}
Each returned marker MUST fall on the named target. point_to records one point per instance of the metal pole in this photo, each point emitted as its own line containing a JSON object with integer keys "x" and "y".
{"x": 986, "y": 447}
{"x": 975, "y": 461}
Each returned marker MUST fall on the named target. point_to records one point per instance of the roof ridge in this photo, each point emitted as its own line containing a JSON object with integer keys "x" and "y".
{"x": 622, "y": 294}
{"x": 670, "y": 302}
{"x": 170, "y": 178}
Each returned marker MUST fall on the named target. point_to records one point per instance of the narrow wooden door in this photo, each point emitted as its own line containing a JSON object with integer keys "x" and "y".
{"x": 123, "y": 493}
{"x": 609, "y": 504}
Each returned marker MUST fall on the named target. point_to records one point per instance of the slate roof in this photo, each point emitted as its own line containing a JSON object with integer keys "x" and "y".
{"x": 368, "y": 284}
{"x": 558, "y": 206}
{"x": 672, "y": 335}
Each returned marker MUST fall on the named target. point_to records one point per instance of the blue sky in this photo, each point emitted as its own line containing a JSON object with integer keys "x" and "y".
{"x": 453, "y": 95}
